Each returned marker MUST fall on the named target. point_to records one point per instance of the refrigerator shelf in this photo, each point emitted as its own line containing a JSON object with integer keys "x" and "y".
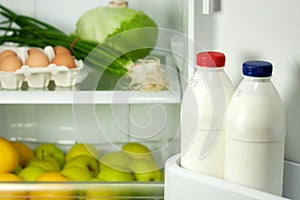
{"x": 84, "y": 190}
{"x": 87, "y": 97}
{"x": 81, "y": 94}
{"x": 196, "y": 185}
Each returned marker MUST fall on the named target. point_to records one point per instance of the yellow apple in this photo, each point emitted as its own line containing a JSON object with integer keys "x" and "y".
{"x": 49, "y": 149}
{"x": 137, "y": 150}
{"x": 145, "y": 170}
{"x": 118, "y": 160}
{"x": 48, "y": 163}
{"x": 84, "y": 161}
{"x": 114, "y": 175}
{"x": 31, "y": 173}
{"x": 76, "y": 173}
{"x": 82, "y": 149}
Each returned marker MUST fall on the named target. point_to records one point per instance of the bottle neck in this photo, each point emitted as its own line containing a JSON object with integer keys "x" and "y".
{"x": 257, "y": 79}
{"x": 208, "y": 70}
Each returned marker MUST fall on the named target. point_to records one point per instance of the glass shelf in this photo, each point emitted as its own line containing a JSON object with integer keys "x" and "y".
{"x": 80, "y": 95}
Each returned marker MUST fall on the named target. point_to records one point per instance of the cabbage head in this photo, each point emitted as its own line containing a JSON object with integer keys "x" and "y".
{"x": 102, "y": 23}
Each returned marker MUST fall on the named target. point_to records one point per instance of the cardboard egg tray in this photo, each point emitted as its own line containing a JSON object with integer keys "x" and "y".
{"x": 39, "y": 77}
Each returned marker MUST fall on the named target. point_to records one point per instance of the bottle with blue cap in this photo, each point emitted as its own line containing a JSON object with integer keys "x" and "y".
{"x": 255, "y": 131}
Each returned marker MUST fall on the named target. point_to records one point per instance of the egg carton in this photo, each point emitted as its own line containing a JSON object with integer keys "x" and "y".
{"x": 39, "y": 77}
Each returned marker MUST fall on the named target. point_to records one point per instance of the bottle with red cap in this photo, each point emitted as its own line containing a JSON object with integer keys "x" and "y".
{"x": 203, "y": 111}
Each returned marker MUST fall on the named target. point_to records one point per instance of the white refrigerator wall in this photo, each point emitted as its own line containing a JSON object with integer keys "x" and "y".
{"x": 255, "y": 29}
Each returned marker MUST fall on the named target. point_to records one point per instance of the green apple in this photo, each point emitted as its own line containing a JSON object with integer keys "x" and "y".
{"x": 145, "y": 170}
{"x": 118, "y": 160}
{"x": 96, "y": 192}
{"x": 111, "y": 174}
{"x": 105, "y": 192}
{"x": 85, "y": 161}
{"x": 76, "y": 173}
{"x": 31, "y": 173}
{"x": 137, "y": 150}
{"x": 52, "y": 150}
{"x": 82, "y": 149}
{"x": 48, "y": 163}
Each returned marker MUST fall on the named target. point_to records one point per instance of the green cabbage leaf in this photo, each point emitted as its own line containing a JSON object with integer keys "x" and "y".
{"x": 124, "y": 29}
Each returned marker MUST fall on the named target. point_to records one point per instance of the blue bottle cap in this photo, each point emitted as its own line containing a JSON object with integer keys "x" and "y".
{"x": 257, "y": 68}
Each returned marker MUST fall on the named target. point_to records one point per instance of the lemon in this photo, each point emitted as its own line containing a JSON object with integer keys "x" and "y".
{"x": 52, "y": 190}
{"x": 25, "y": 153}
{"x": 12, "y": 194}
{"x": 9, "y": 158}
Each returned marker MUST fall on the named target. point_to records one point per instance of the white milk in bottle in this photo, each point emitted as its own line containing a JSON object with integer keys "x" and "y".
{"x": 202, "y": 116}
{"x": 255, "y": 131}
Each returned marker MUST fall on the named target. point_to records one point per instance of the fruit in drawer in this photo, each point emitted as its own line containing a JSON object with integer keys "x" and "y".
{"x": 111, "y": 174}
{"x": 145, "y": 170}
{"x": 117, "y": 159}
{"x": 48, "y": 163}
{"x": 9, "y": 157}
{"x": 48, "y": 149}
{"x": 86, "y": 162}
{"x": 12, "y": 194}
{"x": 76, "y": 173}
{"x": 31, "y": 173}
{"x": 136, "y": 150}
{"x": 25, "y": 153}
{"x": 54, "y": 191}
{"x": 82, "y": 149}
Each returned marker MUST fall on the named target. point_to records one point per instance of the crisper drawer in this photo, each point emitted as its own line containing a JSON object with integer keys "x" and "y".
{"x": 107, "y": 128}
{"x": 89, "y": 189}
{"x": 195, "y": 186}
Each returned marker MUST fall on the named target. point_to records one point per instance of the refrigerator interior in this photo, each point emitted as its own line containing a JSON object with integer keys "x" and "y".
{"x": 247, "y": 30}
{"x": 242, "y": 30}
{"x": 106, "y": 119}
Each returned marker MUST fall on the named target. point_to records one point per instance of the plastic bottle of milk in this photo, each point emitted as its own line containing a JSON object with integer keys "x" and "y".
{"x": 255, "y": 131}
{"x": 202, "y": 116}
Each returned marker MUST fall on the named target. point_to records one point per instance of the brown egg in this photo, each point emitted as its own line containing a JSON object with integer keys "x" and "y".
{"x": 6, "y": 53}
{"x": 37, "y": 59}
{"x": 33, "y": 50}
{"x": 61, "y": 49}
{"x": 64, "y": 59}
{"x": 10, "y": 63}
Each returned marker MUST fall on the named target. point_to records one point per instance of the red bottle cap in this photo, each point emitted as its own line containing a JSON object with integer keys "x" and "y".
{"x": 211, "y": 59}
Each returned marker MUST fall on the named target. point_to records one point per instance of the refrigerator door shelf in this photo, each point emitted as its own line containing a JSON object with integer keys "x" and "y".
{"x": 194, "y": 186}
